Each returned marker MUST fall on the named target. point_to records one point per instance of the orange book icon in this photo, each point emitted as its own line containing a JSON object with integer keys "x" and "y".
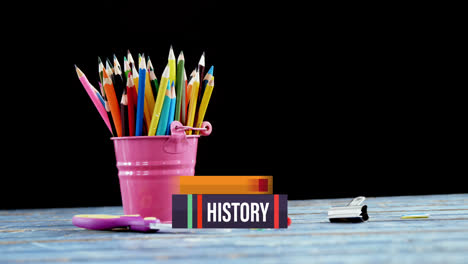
{"x": 226, "y": 184}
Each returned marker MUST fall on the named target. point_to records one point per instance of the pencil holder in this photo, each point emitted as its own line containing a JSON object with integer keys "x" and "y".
{"x": 149, "y": 168}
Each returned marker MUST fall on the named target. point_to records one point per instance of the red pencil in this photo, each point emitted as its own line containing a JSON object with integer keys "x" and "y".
{"x": 132, "y": 99}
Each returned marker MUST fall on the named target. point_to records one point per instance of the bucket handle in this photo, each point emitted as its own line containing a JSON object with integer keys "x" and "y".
{"x": 177, "y": 142}
{"x": 205, "y": 130}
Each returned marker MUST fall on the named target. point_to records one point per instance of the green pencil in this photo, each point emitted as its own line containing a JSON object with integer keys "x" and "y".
{"x": 180, "y": 85}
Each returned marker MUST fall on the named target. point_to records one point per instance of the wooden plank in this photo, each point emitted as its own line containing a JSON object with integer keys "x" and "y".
{"x": 47, "y": 235}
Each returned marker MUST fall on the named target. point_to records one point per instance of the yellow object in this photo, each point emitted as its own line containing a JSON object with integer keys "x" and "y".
{"x": 226, "y": 184}
{"x": 149, "y": 101}
{"x": 204, "y": 103}
{"x": 98, "y": 216}
{"x": 193, "y": 102}
{"x": 172, "y": 66}
{"x": 414, "y": 216}
{"x": 159, "y": 103}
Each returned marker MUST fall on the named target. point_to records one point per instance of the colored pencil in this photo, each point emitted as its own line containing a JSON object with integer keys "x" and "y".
{"x": 179, "y": 86}
{"x": 124, "y": 114}
{"x": 183, "y": 114}
{"x": 153, "y": 78}
{"x": 172, "y": 109}
{"x": 204, "y": 103}
{"x": 119, "y": 83}
{"x": 101, "y": 78}
{"x": 203, "y": 84}
{"x": 92, "y": 94}
{"x": 141, "y": 98}
{"x": 120, "y": 88}
{"x": 149, "y": 97}
{"x": 188, "y": 92}
{"x": 159, "y": 102}
{"x": 132, "y": 103}
{"x": 117, "y": 68}
{"x": 100, "y": 98}
{"x": 106, "y": 106}
{"x": 136, "y": 77}
{"x": 207, "y": 78}
{"x": 189, "y": 95}
{"x": 193, "y": 102}
{"x": 109, "y": 69}
{"x": 131, "y": 62}
{"x": 201, "y": 71}
{"x": 127, "y": 68}
{"x": 172, "y": 65}
{"x": 110, "y": 72}
{"x": 113, "y": 103}
{"x": 162, "y": 126}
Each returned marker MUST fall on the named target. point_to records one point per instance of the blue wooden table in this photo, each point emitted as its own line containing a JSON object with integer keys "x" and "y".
{"x": 48, "y": 236}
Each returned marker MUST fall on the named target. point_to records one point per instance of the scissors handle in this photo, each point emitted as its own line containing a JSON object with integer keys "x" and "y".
{"x": 108, "y": 222}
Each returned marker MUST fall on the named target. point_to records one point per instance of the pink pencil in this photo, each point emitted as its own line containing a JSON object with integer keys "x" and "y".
{"x": 92, "y": 94}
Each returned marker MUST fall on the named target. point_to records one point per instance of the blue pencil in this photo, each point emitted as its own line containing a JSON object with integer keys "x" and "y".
{"x": 141, "y": 98}
{"x": 162, "y": 125}
{"x": 206, "y": 79}
{"x": 101, "y": 99}
{"x": 171, "y": 109}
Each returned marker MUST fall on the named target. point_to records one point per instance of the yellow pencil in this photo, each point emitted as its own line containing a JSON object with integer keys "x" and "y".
{"x": 172, "y": 66}
{"x": 149, "y": 99}
{"x": 193, "y": 101}
{"x": 159, "y": 102}
{"x": 204, "y": 103}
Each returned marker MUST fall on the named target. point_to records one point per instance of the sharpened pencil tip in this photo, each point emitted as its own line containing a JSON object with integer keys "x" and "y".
{"x": 171, "y": 54}
{"x": 108, "y": 63}
{"x": 181, "y": 57}
{"x": 166, "y": 72}
{"x": 142, "y": 62}
{"x": 210, "y": 71}
{"x": 202, "y": 60}
{"x": 78, "y": 71}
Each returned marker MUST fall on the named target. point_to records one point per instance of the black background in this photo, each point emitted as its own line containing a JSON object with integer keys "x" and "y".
{"x": 333, "y": 101}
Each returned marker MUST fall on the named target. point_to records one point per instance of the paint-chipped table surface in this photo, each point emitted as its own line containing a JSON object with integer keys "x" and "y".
{"x": 48, "y": 236}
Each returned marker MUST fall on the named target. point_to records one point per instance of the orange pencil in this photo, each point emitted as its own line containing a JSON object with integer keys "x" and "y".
{"x": 188, "y": 91}
{"x": 113, "y": 103}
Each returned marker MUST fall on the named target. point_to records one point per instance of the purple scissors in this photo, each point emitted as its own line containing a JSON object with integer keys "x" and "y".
{"x": 108, "y": 222}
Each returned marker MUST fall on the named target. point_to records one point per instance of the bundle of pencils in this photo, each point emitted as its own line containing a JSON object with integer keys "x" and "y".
{"x": 148, "y": 106}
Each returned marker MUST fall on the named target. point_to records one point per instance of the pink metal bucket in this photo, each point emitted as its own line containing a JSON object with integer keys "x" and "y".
{"x": 149, "y": 168}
